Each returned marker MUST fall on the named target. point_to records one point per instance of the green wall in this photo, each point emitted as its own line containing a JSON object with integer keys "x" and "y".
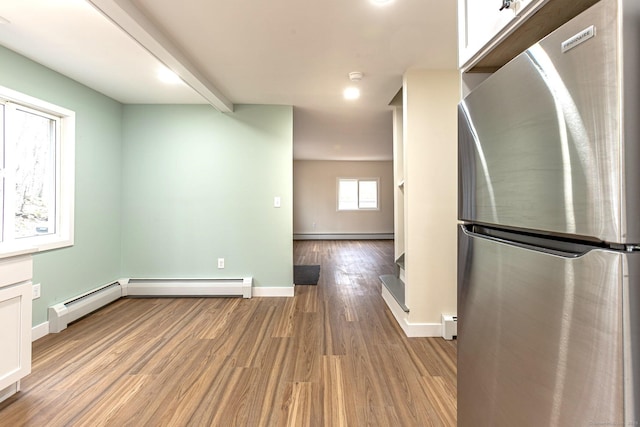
{"x": 199, "y": 185}
{"x": 95, "y": 258}
{"x": 163, "y": 191}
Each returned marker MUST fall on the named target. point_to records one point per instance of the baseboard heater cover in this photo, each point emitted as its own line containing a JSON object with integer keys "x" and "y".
{"x": 60, "y": 315}
{"x": 449, "y": 326}
{"x": 187, "y": 287}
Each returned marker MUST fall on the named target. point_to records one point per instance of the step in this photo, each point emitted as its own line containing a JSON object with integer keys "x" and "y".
{"x": 395, "y": 286}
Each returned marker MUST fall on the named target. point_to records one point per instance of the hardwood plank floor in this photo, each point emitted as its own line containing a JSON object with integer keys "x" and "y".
{"x": 331, "y": 356}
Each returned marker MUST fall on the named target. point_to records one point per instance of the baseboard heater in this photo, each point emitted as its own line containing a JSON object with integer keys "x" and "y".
{"x": 449, "y": 326}
{"x": 62, "y": 314}
{"x": 187, "y": 287}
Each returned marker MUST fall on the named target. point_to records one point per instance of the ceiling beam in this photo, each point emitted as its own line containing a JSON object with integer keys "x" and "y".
{"x": 133, "y": 22}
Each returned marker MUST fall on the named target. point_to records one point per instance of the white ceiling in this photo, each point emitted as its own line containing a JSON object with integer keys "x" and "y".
{"x": 284, "y": 52}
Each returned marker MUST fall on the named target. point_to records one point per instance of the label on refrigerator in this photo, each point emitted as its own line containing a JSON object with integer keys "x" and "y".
{"x": 579, "y": 38}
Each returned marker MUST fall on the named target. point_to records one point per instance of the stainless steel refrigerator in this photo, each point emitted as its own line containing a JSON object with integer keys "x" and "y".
{"x": 549, "y": 246}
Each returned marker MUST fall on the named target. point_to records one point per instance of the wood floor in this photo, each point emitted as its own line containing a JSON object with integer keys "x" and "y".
{"x": 331, "y": 356}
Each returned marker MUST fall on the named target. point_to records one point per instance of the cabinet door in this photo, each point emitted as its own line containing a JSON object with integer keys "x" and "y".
{"x": 15, "y": 333}
{"x": 479, "y": 21}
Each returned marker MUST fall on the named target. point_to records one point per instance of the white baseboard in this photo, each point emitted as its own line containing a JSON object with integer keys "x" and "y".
{"x": 273, "y": 291}
{"x": 39, "y": 331}
{"x": 411, "y": 330}
{"x": 414, "y": 330}
{"x": 393, "y": 305}
{"x": 344, "y": 236}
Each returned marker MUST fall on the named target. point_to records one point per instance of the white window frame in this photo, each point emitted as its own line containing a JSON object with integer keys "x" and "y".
{"x": 65, "y": 175}
{"x": 358, "y": 208}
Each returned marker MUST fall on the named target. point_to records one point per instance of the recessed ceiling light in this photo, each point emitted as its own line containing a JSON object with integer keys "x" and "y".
{"x": 167, "y": 76}
{"x": 351, "y": 93}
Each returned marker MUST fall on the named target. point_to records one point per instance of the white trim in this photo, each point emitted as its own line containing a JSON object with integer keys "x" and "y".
{"x": 397, "y": 311}
{"x": 33, "y": 102}
{"x": 16, "y": 251}
{"x": 273, "y": 291}
{"x": 411, "y": 330}
{"x": 357, "y": 208}
{"x": 39, "y": 331}
{"x": 423, "y": 330}
{"x": 344, "y": 236}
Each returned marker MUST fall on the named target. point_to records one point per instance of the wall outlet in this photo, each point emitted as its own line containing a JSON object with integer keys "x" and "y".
{"x": 277, "y": 202}
{"x": 35, "y": 291}
{"x": 220, "y": 262}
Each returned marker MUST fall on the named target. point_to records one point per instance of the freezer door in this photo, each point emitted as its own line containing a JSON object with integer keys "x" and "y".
{"x": 546, "y": 340}
{"x": 540, "y": 143}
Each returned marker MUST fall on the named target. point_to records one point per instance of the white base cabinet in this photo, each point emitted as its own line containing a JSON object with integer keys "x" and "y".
{"x": 15, "y": 322}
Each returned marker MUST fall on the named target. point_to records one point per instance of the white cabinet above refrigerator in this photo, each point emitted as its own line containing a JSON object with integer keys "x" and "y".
{"x": 492, "y": 32}
{"x": 479, "y": 21}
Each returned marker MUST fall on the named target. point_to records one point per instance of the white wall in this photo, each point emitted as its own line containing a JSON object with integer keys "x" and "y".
{"x": 315, "y": 199}
{"x": 430, "y": 171}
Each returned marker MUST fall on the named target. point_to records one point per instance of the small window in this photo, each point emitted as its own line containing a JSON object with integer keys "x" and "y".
{"x": 357, "y": 194}
{"x": 36, "y": 165}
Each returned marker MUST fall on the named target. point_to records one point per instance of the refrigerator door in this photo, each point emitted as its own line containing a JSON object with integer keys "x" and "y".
{"x": 545, "y": 339}
{"x": 540, "y": 143}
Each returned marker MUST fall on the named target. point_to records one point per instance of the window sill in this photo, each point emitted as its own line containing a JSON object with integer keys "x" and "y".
{"x": 359, "y": 210}
{"x": 12, "y": 251}
{"x": 41, "y": 245}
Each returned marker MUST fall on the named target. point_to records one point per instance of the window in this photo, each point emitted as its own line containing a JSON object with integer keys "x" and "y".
{"x": 357, "y": 194}
{"x": 36, "y": 173}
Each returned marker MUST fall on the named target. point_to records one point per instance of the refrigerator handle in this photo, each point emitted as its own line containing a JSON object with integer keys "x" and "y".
{"x": 563, "y": 248}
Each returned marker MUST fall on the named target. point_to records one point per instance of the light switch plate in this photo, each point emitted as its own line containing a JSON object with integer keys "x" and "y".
{"x": 35, "y": 291}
